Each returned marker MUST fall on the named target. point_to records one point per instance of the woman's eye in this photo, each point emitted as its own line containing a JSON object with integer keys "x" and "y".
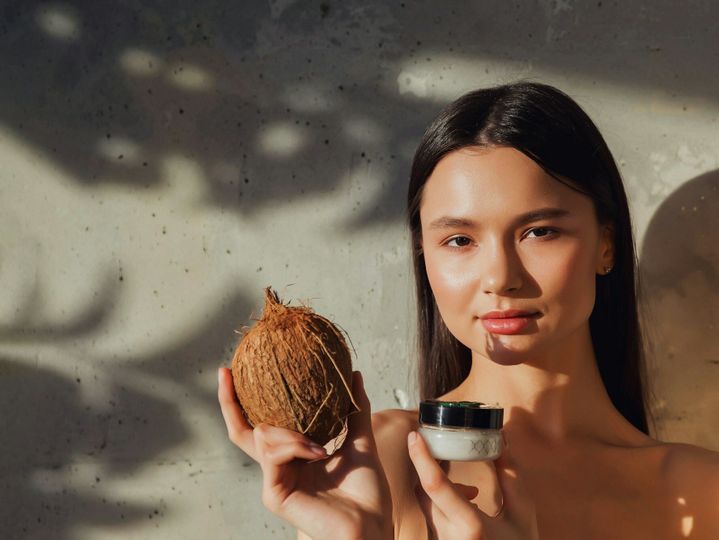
{"x": 458, "y": 238}
{"x": 542, "y": 232}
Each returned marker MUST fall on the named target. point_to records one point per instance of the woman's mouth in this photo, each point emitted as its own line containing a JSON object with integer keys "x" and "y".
{"x": 508, "y": 325}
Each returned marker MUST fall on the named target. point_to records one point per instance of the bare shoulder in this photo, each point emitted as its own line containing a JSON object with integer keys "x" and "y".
{"x": 686, "y": 461}
{"x": 692, "y": 476}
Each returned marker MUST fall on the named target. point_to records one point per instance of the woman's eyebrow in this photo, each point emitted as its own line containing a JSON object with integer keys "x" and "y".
{"x": 446, "y": 222}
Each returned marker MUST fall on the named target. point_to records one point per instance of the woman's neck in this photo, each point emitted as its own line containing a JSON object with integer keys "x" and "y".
{"x": 555, "y": 397}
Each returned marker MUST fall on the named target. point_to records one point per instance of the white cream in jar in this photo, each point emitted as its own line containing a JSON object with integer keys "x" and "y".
{"x": 461, "y": 430}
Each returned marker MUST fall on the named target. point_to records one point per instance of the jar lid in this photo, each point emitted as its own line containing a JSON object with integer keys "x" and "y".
{"x": 467, "y": 414}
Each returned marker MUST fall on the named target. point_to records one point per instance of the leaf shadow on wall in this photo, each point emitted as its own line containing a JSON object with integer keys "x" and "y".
{"x": 133, "y": 88}
{"x": 679, "y": 276}
{"x": 73, "y": 442}
{"x": 57, "y": 451}
{"x": 280, "y": 101}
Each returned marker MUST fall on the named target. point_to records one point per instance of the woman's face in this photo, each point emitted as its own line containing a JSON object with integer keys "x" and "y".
{"x": 485, "y": 258}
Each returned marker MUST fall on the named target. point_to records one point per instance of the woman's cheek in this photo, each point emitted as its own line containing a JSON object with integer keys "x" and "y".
{"x": 445, "y": 276}
{"x": 568, "y": 284}
{"x": 451, "y": 286}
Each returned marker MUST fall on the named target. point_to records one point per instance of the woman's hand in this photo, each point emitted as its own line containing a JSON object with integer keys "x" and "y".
{"x": 344, "y": 496}
{"x": 449, "y": 512}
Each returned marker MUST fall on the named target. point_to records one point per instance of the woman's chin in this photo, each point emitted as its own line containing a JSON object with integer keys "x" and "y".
{"x": 507, "y": 359}
{"x": 509, "y": 351}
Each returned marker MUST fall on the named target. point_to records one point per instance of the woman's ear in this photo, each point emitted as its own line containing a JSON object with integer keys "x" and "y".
{"x": 606, "y": 249}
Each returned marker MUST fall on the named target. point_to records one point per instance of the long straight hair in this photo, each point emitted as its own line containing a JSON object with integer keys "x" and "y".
{"x": 551, "y": 129}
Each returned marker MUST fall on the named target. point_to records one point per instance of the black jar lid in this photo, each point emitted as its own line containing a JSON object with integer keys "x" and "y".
{"x": 462, "y": 414}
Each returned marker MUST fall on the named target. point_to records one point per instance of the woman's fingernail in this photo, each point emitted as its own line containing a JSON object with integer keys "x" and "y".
{"x": 317, "y": 449}
{"x": 412, "y": 437}
{"x": 219, "y": 374}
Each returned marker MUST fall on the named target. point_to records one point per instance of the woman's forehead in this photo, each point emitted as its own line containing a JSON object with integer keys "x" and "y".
{"x": 493, "y": 181}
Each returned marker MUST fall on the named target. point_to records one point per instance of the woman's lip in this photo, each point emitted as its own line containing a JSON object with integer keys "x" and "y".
{"x": 508, "y": 313}
{"x": 508, "y": 325}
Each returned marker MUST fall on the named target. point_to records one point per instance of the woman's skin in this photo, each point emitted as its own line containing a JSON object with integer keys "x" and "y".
{"x": 573, "y": 467}
{"x": 346, "y": 496}
{"x": 589, "y": 472}
{"x": 342, "y": 496}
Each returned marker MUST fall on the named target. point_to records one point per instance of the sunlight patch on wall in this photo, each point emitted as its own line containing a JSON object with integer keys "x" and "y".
{"x": 139, "y": 62}
{"x": 414, "y": 82}
{"x": 442, "y": 78}
{"x": 191, "y": 78}
{"x": 120, "y": 150}
{"x": 280, "y": 139}
{"x": 184, "y": 180}
{"x": 59, "y": 21}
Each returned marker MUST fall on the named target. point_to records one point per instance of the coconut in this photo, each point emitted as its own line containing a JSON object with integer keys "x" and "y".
{"x": 293, "y": 369}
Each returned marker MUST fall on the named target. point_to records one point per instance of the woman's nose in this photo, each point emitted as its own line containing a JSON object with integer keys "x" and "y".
{"x": 501, "y": 269}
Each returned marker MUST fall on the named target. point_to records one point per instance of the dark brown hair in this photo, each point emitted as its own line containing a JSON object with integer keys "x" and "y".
{"x": 553, "y": 130}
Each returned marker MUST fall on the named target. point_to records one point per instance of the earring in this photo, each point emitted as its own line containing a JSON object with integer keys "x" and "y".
{"x": 607, "y": 269}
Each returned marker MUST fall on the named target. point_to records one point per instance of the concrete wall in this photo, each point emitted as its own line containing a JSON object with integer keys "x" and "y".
{"x": 161, "y": 166}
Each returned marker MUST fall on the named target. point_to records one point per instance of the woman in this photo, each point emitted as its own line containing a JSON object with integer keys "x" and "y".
{"x": 515, "y": 206}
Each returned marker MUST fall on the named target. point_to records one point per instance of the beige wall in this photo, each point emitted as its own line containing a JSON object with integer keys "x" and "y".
{"x": 160, "y": 167}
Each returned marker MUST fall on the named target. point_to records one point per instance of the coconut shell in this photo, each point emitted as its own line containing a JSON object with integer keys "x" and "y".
{"x": 293, "y": 369}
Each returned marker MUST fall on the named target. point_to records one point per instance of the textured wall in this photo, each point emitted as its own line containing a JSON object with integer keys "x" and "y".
{"x": 161, "y": 166}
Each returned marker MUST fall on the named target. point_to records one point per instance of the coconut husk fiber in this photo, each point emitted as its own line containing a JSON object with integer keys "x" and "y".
{"x": 293, "y": 369}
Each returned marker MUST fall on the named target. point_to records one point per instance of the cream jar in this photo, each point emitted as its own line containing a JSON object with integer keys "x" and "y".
{"x": 461, "y": 430}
